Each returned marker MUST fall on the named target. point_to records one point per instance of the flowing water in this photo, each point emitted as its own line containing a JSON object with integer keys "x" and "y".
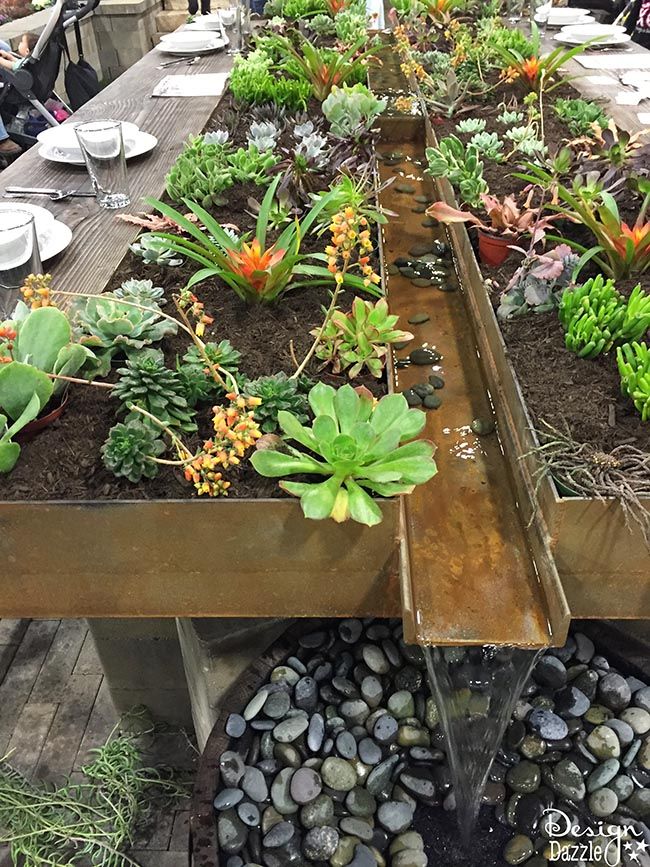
{"x": 476, "y": 689}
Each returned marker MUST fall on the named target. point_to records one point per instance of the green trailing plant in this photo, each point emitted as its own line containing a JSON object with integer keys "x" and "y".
{"x": 579, "y": 115}
{"x": 109, "y": 327}
{"x": 355, "y": 446}
{"x": 324, "y": 68}
{"x": 255, "y": 271}
{"x": 351, "y": 111}
{"x": 253, "y": 82}
{"x": 278, "y": 393}
{"x": 151, "y": 251}
{"x": 145, "y": 382}
{"x": 92, "y": 821}
{"x": 199, "y": 386}
{"x": 360, "y": 338}
{"x": 634, "y": 367}
{"x": 461, "y": 166}
{"x": 130, "y": 449}
{"x": 595, "y": 316}
{"x": 24, "y": 392}
{"x": 43, "y": 339}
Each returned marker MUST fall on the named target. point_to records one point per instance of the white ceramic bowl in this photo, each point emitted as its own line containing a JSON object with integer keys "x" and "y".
{"x": 189, "y": 40}
{"x": 64, "y": 138}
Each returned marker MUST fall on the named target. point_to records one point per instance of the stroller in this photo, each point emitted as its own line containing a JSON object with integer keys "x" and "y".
{"x": 32, "y": 85}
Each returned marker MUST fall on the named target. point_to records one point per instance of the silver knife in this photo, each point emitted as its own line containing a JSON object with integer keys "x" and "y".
{"x": 47, "y": 191}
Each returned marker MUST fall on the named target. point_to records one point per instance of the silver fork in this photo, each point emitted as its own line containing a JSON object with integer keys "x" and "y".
{"x": 53, "y": 194}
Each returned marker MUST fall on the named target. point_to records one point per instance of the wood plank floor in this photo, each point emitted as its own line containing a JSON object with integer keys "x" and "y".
{"x": 55, "y": 707}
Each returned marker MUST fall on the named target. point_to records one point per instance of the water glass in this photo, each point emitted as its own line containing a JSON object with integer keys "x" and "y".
{"x": 102, "y": 145}
{"x": 19, "y": 256}
{"x": 514, "y": 10}
{"x": 540, "y": 11}
{"x": 232, "y": 20}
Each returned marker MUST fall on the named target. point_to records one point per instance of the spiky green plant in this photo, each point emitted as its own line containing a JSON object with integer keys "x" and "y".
{"x": 277, "y": 393}
{"x": 129, "y": 449}
{"x": 147, "y": 383}
{"x": 634, "y": 367}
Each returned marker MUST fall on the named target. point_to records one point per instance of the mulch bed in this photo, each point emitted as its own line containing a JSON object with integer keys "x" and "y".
{"x": 64, "y": 462}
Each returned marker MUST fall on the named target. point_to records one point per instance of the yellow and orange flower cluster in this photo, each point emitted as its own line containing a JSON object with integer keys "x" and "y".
{"x": 405, "y": 104}
{"x": 350, "y": 234}
{"x": 196, "y": 309}
{"x": 409, "y": 64}
{"x": 37, "y": 292}
{"x": 236, "y": 431}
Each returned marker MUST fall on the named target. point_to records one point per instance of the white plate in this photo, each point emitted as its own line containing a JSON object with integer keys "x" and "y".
{"x": 215, "y": 45}
{"x": 142, "y": 144}
{"x": 189, "y": 39}
{"x": 202, "y": 25}
{"x": 42, "y": 217}
{"x": 56, "y": 240}
{"x": 64, "y": 138}
{"x": 591, "y": 31}
{"x": 555, "y": 20}
{"x": 608, "y": 42}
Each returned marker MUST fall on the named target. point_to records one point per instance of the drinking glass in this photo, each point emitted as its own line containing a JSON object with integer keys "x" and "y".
{"x": 232, "y": 21}
{"x": 514, "y": 10}
{"x": 539, "y": 14}
{"x": 19, "y": 256}
{"x": 102, "y": 145}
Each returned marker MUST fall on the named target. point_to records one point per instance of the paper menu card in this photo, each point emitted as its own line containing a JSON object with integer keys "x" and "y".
{"x": 615, "y": 61}
{"x": 202, "y": 84}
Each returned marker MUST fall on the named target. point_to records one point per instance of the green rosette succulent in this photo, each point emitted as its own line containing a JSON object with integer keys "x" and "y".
{"x": 278, "y": 393}
{"x": 129, "y": 450}
{"x": 356, "y": 446}
{"x": 147, "y": 383}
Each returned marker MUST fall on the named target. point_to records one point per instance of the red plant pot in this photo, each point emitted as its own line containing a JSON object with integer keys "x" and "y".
{"x": 494, "y": 249}
{"x": 43, "y": 421}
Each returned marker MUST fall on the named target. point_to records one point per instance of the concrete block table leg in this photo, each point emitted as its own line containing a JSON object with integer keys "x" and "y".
{"x": 215, "y": 652}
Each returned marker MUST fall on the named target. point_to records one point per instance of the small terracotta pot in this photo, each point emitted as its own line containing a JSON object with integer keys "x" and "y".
{"x": 494, "y": 249}
{"x": 39, "y": 424}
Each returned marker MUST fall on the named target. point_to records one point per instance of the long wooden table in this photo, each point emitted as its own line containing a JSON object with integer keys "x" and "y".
{"x": 99, "y": 239}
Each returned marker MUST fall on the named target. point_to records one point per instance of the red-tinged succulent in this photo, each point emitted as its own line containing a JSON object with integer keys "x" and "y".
{"x": 506, "y": 217}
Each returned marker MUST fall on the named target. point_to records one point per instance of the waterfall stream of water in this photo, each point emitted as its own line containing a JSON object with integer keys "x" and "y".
{"x": 475, "y": 689}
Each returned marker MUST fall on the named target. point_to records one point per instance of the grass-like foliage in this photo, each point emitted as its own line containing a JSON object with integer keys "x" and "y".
{"x": 92, "y": 822}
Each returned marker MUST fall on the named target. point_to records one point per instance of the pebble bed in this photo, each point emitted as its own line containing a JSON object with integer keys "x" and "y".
{"x": 330, "y": 759}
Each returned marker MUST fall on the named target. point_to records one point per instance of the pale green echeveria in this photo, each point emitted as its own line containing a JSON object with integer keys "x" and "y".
{"x": 351, "y": 111}
{"x": 357, "y": 445}
{"x": 111, "y": 326}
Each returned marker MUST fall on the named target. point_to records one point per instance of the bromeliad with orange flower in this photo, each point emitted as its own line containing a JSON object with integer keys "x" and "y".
{"x": 537, "y": 71}
{"x": 256, "y": 270}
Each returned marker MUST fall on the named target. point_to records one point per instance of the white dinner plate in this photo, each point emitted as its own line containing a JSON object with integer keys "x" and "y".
{"x": 639, "y": 78}
{"x": 142, "y": 144}
{"x": 555, "y": 20}
{"x": 56, "y": 240}
{"x": 53, "y": 236}
{"x": 64, "y": 138}
{"x": 592, "y": 31}
{"x": 211, "y": 25}
{"x": 607, "y": 42}
{"x": 215, "y": 45}
{"x": 192, "y": 40}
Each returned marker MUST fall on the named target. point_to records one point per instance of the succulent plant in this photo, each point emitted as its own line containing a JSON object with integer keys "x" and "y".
{"x": 353, "y": 446}
{"x": 201, "y": 173}
{"x": 147, "y": 383}
{"x": 322, "y": 25}
{"x": 251, "y": 164}
{"x": 471, "y": 125}
{"x": 595, "y": 316}
{"x": 24, "y": 391}
{"x": 351, "y": 111}
{"x": 524, "y": 139}
{"x": 360, "y": 338}
{"x": 263, "y": 135}
{"x": 199, "y": 386}
{"x": 277, "y": 392}
{"x": 141, "y": 292}
{"x": 129, "y": 448}
{"x": 488, "y": 144}
{"x": 538, "y": 282}
{"x": 634, "y": 367}
{"x": 509, "y": 118}
{"x": 579, "y": 114}
{"x": 153, "y": 251}
{"x": 109, "y": 327}
{"x": 216, "y": 137}
{"x": 461, "y": 165}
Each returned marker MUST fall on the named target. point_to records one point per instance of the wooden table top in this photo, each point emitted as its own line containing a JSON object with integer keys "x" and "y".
{"x": 99, "y": 239}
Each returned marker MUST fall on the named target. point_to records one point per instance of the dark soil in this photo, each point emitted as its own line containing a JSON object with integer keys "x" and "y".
{"x": 560, "y": 388}
{"x": 64, "y": 462}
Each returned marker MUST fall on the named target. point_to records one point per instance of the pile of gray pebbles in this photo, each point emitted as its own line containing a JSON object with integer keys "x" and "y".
{"x": 330, "y": 760}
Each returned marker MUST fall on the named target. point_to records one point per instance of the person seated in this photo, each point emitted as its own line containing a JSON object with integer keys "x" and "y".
{"x": 9, "y": 60}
